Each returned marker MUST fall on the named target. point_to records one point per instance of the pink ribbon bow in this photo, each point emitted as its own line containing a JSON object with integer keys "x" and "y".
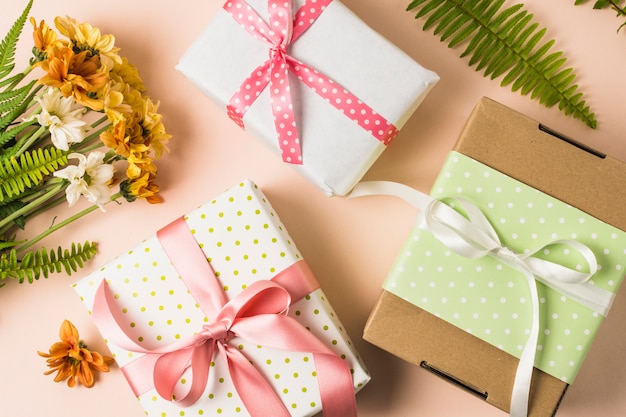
{"x": 280, "y": 34}
{"x": 257, "y": 314}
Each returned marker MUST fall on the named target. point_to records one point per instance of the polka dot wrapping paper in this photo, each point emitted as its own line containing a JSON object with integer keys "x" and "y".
{"x": 491, "y": 300}
{"x": 244, "y": 240}
{"x": 338, "y": 145}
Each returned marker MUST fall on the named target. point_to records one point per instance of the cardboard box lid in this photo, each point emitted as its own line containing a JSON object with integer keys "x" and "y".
{"x": 522, "y": 148}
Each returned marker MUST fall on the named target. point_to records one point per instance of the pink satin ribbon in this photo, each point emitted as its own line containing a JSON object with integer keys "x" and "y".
{"x": 282, "y": 31}
{"x": 257, "y": 314}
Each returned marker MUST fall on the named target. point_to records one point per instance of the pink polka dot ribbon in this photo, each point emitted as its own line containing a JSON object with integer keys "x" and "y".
{"x": 281, "y": 32}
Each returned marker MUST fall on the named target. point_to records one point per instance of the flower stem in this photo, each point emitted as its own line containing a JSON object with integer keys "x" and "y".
{"x": 615, "y": 6}
{"x": 93, "y": 135}
{"x": 100, "y": 121}
{"x": 24, "y": 144}
{"x": 33, "y": 204}
{"x": 64, "y": 223}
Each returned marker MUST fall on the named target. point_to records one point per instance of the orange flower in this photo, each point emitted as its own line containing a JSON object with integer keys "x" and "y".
{"x": 43, "y": 36}
{"x": 71, "y": 359}
{"x": 115, "y": 137}
{"x": 75, "y": 75}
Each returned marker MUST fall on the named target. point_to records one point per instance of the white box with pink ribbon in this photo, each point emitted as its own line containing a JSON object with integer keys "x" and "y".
{"x": 311, "y": 80}
{"x": 218, "y": 314}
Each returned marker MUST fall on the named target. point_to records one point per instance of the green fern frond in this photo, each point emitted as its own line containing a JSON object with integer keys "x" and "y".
{"x": 18, "y": 175}
{"x": 505, "y": 42}
{"x": 12, "y": 80}
{"x": 8, "y": 45}
{"x": 15, "y": 104}
{"x": 12, "y": 131}
{"x": 7, "y": 244}
{"x": 43, "y": 262}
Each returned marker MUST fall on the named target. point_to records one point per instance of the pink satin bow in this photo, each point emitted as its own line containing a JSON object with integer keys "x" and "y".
{"x": 257, "y": 314}
{"x": 282, "y": 31}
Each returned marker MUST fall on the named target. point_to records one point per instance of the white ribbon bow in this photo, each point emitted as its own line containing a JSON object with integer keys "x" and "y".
{"x": 474, "y": 237}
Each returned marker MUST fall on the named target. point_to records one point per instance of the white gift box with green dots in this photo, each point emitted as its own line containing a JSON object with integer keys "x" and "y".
{"x": 245, "y": 241}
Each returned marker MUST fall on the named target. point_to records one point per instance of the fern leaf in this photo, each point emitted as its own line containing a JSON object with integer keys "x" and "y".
{"x": 506, "y": 42}
{"x": 9, "y": 43}
{"x": 17, "y": 175}
{"x": 15, "y": 104}
{"x": 7, "y": 244}
{"x": 42, "y": 262}
{"x": 11, "y": 133}
{"x": 449, "y": 23}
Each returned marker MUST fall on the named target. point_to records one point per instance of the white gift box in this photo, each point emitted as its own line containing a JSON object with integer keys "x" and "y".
{"x": 244, "y": 241}
{"x": 336, "y": 152}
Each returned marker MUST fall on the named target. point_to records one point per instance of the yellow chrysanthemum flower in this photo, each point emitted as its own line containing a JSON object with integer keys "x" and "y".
{"x": 115, "y": 107}
{"x": 153, "y": 128}
{"x": 85, "y": 37}
{"x": 127, "y": 73}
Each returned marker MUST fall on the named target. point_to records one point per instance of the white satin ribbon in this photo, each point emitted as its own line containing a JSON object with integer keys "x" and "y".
{"x": 474, "y": 237}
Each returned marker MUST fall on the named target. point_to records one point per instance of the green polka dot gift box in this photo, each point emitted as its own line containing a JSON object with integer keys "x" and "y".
{"x": 311, "y": 81}
{"x": 218, "y": 314}
{"x": 511, "y": 266}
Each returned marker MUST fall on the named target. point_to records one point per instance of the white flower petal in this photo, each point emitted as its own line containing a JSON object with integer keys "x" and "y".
{"x": 73, "y": 192}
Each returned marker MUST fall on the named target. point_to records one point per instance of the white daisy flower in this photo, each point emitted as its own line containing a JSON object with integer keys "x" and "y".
{"x": 88, "y": 178}
{"x": 65, "y": 124}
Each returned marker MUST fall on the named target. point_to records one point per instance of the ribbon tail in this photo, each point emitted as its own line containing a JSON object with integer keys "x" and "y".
{"x": 255, "y": 392}
{"x": 336, "y": 387}
{"x": 521, "y": 387}
{"x": 334, "y": 378}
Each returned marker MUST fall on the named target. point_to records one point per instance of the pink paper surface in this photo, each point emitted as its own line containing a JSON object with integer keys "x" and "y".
{"x": 349, "y": 244}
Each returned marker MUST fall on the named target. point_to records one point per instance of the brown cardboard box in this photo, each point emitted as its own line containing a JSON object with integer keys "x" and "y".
{"x": 523, "y": 149}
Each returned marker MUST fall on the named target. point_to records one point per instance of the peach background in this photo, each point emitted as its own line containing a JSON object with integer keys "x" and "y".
{"x": 350, "y": 244}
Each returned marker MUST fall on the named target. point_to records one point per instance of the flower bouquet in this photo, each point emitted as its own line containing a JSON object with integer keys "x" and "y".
{"x": 83, "y": 126}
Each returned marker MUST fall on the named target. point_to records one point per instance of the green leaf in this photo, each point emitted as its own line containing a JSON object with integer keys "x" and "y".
{"x": 12, "y": 131}
{"x": 13, "y": 103}
{"x": 42, "y": 262}
{"x": 601, "y": 4}
{"x": 17, "y": 175}
{"x": 9, "y": 43}
{"x": 506, "y": 42}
